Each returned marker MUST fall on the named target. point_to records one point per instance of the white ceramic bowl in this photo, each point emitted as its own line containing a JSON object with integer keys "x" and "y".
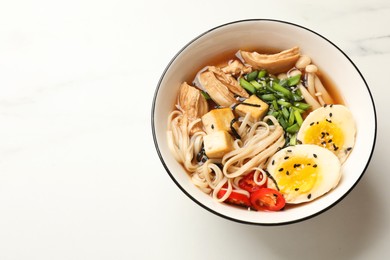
{"x": 280, "y": 35}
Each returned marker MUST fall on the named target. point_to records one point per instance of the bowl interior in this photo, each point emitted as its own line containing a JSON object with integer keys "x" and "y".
{"x": 277, "y": 35}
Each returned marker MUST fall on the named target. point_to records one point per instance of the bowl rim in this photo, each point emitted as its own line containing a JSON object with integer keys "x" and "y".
{"x": 236, "y": 219}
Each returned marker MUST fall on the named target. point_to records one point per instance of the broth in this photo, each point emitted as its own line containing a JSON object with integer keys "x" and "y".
{"x": 330, "y": 87}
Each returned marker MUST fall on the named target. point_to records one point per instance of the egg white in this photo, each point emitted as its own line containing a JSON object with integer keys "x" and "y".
{"x": 321, "y": 166}
{"x": 323, "y": 125}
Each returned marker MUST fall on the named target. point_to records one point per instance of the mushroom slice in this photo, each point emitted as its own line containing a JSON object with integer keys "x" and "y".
{"x": 229, "y": 81}
{"x": 193, "y": 104}
{"x": 216, "y": 89}
{"x": 273, "y": 63}
{"x": 236, "y": 68}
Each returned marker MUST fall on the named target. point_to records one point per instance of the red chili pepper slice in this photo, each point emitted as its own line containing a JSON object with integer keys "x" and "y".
{"x": 267, "y": 199}
{"x": 247, "y": 183}
{"x": 235, "y": 198}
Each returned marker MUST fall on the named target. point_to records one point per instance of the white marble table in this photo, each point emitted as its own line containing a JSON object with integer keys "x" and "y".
{"x": 79, "y": 175}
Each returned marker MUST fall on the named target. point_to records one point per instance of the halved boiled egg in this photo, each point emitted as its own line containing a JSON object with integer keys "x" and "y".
{"x": 331, "y": 127}
{"x": 303, "y": 172}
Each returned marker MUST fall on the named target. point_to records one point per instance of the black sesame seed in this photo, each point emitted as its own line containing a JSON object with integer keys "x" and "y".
{"x": 315, "y": 166}
{"x": 281, "y": 169}
{"x": 289, "y": 151}
{"x": 330, "y": 140}
{"x": 299, "y": 141}
{"x": 315, "y": 156}
{"x": 335, "y": 147}
{"x": 296, "y": 189}
{"x": 297, "y": 165}
{"x": 325, "y": 105}
{"x": 273, "y": 162}
{"x": 328, "y": 120}
{"x": 309, "y": 196}
{"x": 349, "y": 149}
{"x": 212, "y": 126}
{"x": 312, "y": 123}
{"x": 323, "y": 143}
{"x": 331, "y": 105}
{"x": 287, "y": 173}
{"x": 317, "y": 122}
{"x": 330, "y": 114}
{"x": 286, "y": 157}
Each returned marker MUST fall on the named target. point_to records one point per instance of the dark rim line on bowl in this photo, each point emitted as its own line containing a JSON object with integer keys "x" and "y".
{"x": 234, "y": 219}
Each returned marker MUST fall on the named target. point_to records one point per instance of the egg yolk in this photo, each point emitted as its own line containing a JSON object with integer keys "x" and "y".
{"x": 325, "y": 134}
{"x": 297, "y": 174}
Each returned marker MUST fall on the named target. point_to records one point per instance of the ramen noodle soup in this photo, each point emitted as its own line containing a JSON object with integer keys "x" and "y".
{"x": 261, "y": 130}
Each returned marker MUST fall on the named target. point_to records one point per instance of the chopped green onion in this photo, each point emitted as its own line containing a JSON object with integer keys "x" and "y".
{"x": 275, "y": 113}
{"x": 268, "y": 87}
{"x": 294, "y": 80}
{"x": 292, "y": 129}
{"x": 248, "y": 86}
{"x": 260, "y": 92}
{"x": 287, "y": 93}
{"x": 282, "y": 122}
{"x": 293, "y": 139}
{"x": 298, "y": 92}
{"x": 297, "y": 97}
{"x": 285, "y": 112}
{"x": 284, "y": 103}
{"x": 252, "y": 76}
{"x": 302, "y": 105}
{"x": 262, "y": 74}
{"x": 291, "y": 118}
{"x": 205, "y": 95}
{"x": 281, "y": 95}
{"x": 283, "y": 82}
{"x": 256, "y": 84}
{"x": 275, "y": 104}
{"x": 298, "y": 109}
{"x": 298, "y": 117}
{"x": 268, "y": 97}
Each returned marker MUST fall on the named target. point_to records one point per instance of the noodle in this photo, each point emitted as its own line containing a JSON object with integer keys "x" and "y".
{"x": 253, "y": 154}
{"x": 183, "y": 147}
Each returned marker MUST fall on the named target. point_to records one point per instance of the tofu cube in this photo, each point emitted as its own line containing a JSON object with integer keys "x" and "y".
{"x": 253, "y": 105}
{"x": 217, "y": 120}
{"x": 217, "y": 144}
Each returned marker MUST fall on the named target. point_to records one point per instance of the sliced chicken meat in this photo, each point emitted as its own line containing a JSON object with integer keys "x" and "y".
{"x": 273, "y": 63}
{"x": 229, "y": 81}
{"x": 193, "y": 104}
{"x": 236, "y": 68}
{"x": 218, "y": 91}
